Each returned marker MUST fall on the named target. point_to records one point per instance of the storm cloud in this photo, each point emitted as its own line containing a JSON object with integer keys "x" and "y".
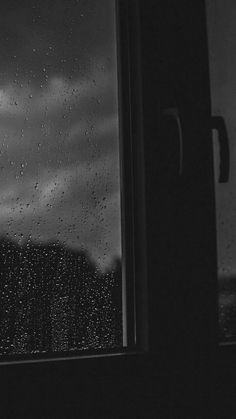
{"x": 59, "y": 136}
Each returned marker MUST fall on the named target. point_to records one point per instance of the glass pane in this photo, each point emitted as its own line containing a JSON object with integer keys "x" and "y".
{"x": 60, "y": 216}
{"x": 222, "y": 52}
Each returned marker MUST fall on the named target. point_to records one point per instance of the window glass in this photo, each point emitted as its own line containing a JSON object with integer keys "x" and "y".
{"x": 60, "y": 212}
{"x": 222, "y": 46}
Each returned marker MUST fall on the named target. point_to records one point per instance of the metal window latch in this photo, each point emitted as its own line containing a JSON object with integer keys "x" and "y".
{"x": 173, "y": 114}
{"x": 218, "y": 123}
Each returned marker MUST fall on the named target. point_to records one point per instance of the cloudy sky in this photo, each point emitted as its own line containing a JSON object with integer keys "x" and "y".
{"x": 59, "y": 156}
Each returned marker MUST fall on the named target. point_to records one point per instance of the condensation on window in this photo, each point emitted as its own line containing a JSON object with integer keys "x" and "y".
{"x": 60, "y": 216}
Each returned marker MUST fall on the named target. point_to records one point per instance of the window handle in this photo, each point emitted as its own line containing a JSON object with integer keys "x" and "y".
{"x": 173, "y": 114}
{"x": 218, "y": 123}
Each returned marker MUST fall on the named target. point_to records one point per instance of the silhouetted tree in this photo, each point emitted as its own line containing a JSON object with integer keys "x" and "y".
{"x": 54, "y": 299}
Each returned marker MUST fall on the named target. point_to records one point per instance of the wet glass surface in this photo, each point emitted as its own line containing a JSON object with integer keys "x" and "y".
{"x": 60, "y": 217}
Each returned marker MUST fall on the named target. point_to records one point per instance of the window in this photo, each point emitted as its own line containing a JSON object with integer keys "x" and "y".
{"x": 62, "y": 289}
{"x": 171, "y": 378}
{"x": 222, "y": 38}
